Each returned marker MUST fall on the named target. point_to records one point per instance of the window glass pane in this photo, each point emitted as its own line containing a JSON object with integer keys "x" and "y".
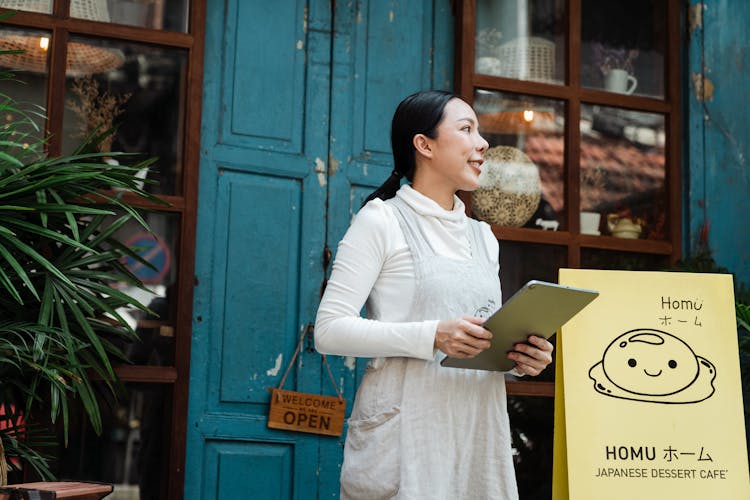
{"x": 623, "y": 173}
{"x": 521, "y": 262}
{"x": 140, "y": 93}
{"x": 157, "y": 331}
{"x": 531, "y": 425}
{"x": 522, "y": 177}
{"x": 522, "y": 39}
{"x": 623, "y": 45}
{"x": 606, "y": 259}
{"x": 27, "y": 84}
{"x": 154, "y": 14}
{"x": 133, "y": 450}
{"x": 42, "y": 6}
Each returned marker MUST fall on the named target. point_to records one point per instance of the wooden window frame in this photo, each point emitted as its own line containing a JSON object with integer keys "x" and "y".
{"x": 573, "y": 94}
{"x": 62, "y": 26}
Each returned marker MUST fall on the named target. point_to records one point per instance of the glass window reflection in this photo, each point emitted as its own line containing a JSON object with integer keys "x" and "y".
{"x": 169, "y": 15}
{"x": 41, "y": 6}
{"x": 132, "y": 452}
{"x": 592, "y": 258}
{"x": 24, "y": 78}
{"x": 523, "y": 40}
{"x": 141, "y": 98}
{"x": 531, "y": 427}
{"x": 521, "y": 262}
{"x": 623, "y": 43}
{"x": 526, "y": 155}
{"x": 623, "y": 172}
{"x": 157, "y": 247}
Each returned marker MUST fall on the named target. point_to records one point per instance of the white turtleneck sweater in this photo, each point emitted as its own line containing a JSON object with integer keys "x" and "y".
{"x": 374, "y": 265}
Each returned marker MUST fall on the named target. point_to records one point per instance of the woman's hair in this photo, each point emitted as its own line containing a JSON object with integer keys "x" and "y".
{"x": 420, "y": 113}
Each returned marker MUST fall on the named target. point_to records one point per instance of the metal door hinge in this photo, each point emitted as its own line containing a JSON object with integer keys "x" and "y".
{"x": 326, "y": 257}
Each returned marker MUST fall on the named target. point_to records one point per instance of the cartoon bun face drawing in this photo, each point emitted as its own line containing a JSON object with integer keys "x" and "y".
{"x": 650, "y": 362}
{"x": 654, "y": 366}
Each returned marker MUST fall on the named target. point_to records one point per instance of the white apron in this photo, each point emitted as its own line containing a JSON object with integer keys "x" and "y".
{"x": 422, "y": 431}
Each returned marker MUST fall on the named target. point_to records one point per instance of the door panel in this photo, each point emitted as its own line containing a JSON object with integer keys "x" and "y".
{"x": 261, "y": 234}
{"x": 272, "y": 469}
{"x": 286, "y": 160}
{"x": 265, "y": 46}
{"x": 382, "y": 51}
{"x": 246, "y": 241}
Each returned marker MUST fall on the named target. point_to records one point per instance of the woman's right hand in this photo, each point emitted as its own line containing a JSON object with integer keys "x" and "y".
{"x": 462, "y": 337}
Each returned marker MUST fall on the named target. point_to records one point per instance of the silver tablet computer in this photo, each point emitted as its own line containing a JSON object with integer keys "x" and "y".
{"x": 537, "y": 308}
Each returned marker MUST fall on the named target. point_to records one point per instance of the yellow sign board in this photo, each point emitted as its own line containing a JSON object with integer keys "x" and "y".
{"x": 648, "y": 393}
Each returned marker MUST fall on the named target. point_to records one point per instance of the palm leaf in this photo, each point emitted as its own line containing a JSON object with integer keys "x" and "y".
{"x": 5, "y": 254}
{"x": 59, "y": 252}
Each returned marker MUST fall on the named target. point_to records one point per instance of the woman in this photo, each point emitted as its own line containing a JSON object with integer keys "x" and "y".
{"x": 428, "y": 275}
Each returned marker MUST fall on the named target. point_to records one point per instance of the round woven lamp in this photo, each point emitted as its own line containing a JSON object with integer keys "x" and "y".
{"x": 83, "y": 59}
{"x": 509, "y": 188}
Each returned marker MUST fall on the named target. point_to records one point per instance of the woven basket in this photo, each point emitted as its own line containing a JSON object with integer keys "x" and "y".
{"x": 510, "y": 188}
{"x": 94, "y": 10}
{"x": 527, "y": 58}
{"x": 83, "y": 58}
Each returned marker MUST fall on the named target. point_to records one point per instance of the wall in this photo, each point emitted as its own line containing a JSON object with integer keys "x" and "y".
{"x": 718, "y": 128}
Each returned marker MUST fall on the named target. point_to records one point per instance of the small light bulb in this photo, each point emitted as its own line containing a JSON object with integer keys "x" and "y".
{"x": 44, "y": 43}
{"x": 528, "y": 115}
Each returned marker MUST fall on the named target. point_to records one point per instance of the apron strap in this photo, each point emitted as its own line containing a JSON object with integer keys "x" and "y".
{"x": 416, "y": 240}
{"x": 476, "y": 239}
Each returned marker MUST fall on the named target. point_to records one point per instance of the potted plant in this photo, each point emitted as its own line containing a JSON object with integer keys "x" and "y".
{"x": 96, "y": 108}
{"x": 60, "y": 323}
{"x": 616, "y": 66}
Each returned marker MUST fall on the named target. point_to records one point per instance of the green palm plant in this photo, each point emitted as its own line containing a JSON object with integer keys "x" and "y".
{"x": 60, "y": 325}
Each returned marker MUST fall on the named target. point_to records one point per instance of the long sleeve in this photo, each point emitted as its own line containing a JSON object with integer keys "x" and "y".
{"x": 374, "y": 266}
{"x": 372, "y": 262}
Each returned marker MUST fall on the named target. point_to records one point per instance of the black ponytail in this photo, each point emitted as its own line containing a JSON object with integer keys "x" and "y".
{"x": 420, "y": 113}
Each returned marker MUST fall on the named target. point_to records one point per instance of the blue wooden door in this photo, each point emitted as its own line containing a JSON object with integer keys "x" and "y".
{"x": 382, "y": 51}
{"x": 296, "y": 108}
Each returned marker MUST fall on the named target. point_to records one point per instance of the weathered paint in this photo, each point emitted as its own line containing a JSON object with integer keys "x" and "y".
{"x": 320, "y": 170}
{"x": 718, "y": 142}
{"x": 703, "y": 88}
{"x": 695, "y": 17}
{"x": 276, "y": 367}
{"x": 378, "y": 58}
{"x": 333, "y": 165}
{"x": 261, "y": 229}
{"x": 269, "y": 204}
{"x": 350, "y": 362}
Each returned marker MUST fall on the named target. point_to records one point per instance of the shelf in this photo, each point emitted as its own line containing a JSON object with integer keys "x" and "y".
{"x": 529, "y": 388}
{"x": 526, "y": 235}
{"x": 565, "y": 238}
{"x": 142, "y": 373}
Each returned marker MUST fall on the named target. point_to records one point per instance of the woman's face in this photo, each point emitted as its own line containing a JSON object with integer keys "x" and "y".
{"x": 458, "y": 149}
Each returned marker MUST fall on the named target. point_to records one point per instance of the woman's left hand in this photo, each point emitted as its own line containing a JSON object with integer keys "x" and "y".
{"x": 532, "y": 357}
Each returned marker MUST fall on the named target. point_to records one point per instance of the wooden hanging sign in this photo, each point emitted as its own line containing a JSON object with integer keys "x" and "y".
{"x": 303, "y": 412}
